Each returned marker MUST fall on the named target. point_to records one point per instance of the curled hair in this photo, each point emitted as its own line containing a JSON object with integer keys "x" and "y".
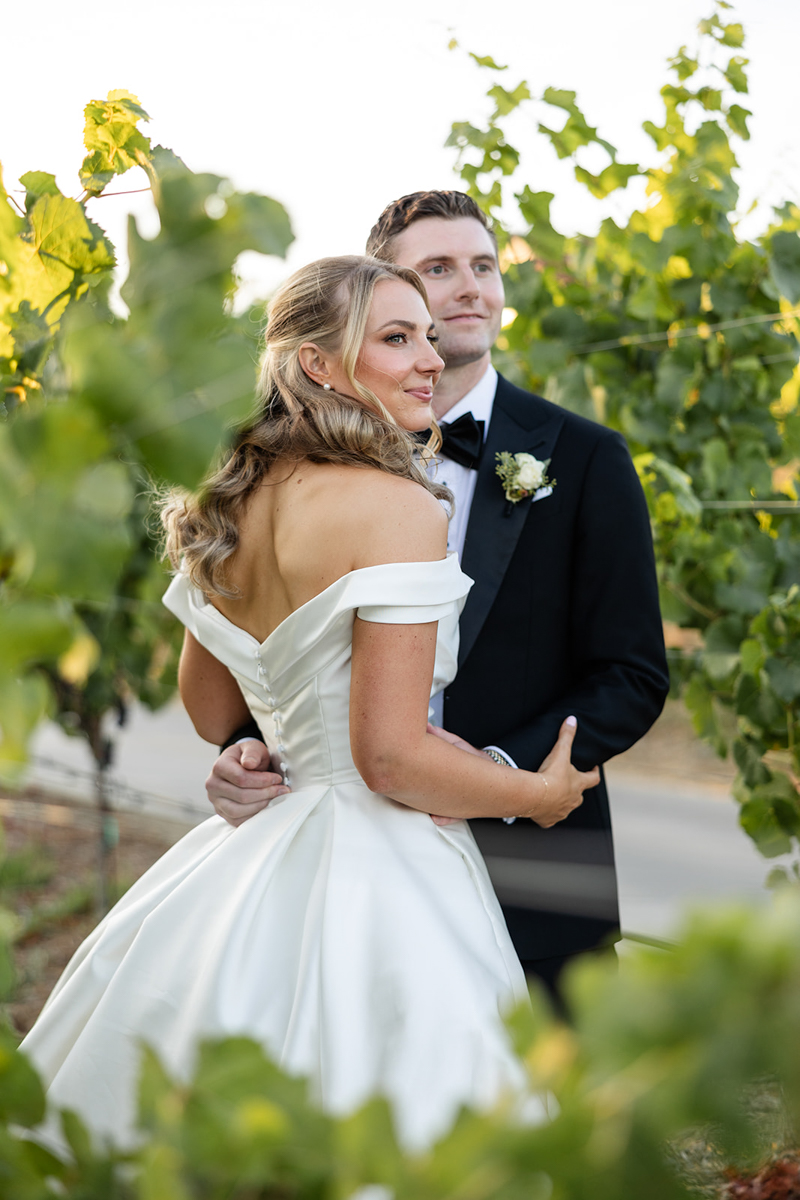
{"x": 328, "y": 303}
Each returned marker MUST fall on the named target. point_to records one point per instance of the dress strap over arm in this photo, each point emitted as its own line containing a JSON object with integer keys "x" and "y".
{"x": 414, "y": 593}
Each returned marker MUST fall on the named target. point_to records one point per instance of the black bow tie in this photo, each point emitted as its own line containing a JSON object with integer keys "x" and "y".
{"x": 462, "y": 441}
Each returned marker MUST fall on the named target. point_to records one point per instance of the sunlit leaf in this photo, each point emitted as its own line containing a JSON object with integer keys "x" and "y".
{"x": 506, "y": 102}
{"x": 487, "y": 61}
{"x": 736, "y": 117}
{"x": 683, "y": 65}
{"x": 112, "y": 138}
{"x": 732, "y": 35}
{"x": 36, "y": 184}
{"x": 735, "y": 73}
{"x": 615, "y": 175}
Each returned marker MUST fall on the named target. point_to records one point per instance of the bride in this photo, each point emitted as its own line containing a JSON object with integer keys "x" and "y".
{"x": 356, "y": 939}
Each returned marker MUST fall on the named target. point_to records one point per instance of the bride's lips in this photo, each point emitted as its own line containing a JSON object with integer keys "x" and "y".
{"x": 422, "y": 393}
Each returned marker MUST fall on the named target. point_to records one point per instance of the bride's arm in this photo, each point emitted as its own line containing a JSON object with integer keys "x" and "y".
{"x": 391, "y": 676}
{"x": 396, "y": 755}
{"x": 210, "y": 694}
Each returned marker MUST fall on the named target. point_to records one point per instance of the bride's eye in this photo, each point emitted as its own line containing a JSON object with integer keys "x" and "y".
{"x": 433, "y": 338}
{"x": 392, "y": 336}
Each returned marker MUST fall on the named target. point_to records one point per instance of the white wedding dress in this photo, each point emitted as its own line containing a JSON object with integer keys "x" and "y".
{"x": 359, "y": 943}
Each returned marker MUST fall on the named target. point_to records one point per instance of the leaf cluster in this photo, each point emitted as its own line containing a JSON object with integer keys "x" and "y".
{"x": 672, "y": 1047}
{"x": 684, "y": 337}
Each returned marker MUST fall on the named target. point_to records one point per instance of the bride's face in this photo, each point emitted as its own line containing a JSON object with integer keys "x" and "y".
{"x": 398, "y": 359}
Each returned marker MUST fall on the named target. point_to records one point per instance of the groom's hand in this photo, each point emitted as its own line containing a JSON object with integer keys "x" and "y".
{"x": 454, "y": 740}
{"x": 242, "y": 782}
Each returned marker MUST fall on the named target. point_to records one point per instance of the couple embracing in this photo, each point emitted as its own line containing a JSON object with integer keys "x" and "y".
{"x": 342, "y": 912}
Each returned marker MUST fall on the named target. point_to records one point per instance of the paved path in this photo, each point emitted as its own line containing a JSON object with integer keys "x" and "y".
{"x": 676, "y": 843}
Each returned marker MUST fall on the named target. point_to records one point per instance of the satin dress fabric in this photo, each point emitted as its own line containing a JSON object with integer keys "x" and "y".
{"x": 359, "y": 943}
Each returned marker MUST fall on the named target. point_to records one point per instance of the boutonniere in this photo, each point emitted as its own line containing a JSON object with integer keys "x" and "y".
{"x": 522, "y": 475}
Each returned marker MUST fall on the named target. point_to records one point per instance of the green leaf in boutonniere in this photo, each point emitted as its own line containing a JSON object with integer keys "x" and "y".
{"x": 522, "y": 475}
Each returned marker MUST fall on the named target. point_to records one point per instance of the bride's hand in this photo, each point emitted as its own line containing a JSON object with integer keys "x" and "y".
{"x": 565, "y": 783}
{"x": 454, "y": 740}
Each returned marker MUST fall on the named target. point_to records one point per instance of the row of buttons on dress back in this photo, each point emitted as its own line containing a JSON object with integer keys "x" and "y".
{"x": 276, "y": 716}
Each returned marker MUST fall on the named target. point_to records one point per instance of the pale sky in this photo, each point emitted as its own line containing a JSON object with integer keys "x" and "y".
{"x": 336, "y": 109}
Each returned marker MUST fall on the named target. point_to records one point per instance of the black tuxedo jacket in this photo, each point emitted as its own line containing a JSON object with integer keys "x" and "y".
{"x": 563, "y": 618}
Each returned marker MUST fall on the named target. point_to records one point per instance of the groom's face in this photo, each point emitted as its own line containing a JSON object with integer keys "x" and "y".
{"x": 457, "y": 260}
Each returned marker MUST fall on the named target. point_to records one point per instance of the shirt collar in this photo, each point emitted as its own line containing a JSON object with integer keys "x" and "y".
{"x": 479, "y": 401}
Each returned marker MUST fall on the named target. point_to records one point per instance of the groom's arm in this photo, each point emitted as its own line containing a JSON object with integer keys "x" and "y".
{"x": 249, "y": 730}
{"x": 621, "y": 678}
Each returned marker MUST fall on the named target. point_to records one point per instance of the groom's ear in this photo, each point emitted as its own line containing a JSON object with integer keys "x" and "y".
{"x": 314, "y": 363}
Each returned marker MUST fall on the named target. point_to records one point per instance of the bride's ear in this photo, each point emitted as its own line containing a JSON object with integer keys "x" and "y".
{"x": 315, "y": 363}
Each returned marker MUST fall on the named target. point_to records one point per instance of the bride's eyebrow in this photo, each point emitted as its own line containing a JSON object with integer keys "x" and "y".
{"x": 405, "y": 325}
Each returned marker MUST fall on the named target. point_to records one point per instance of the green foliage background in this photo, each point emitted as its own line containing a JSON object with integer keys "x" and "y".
{"x": 684, "y": 338}
{"x": 98, "y": 406}
{"x": 671, "y": 330}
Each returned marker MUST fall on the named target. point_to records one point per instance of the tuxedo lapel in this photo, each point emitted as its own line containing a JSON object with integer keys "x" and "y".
{"x": 520, "y": 422}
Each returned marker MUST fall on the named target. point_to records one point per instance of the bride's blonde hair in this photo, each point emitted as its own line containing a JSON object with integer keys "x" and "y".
{"x": 328, "y": 303}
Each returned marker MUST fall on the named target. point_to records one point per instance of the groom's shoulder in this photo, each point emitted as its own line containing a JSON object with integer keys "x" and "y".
{"x": 531, "y": 410}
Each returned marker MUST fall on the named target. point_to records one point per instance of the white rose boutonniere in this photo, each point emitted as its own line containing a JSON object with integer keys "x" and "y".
{"x": 522, "y": 475}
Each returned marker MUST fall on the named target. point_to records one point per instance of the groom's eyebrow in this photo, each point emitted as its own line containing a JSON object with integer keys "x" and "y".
{"x": 434, "y": 258}
{"x": 448, "y": 259}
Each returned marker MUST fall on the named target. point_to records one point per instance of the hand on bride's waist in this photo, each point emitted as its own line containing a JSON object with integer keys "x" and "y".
{"x": 243, "y": 781}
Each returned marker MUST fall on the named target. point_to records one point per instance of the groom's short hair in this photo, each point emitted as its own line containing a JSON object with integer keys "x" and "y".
{"x": 401, "y": 213}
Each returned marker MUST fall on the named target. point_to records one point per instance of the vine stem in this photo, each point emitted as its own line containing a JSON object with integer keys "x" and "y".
{"x": 103, "y": 195}
{"x": 678, "y": 591}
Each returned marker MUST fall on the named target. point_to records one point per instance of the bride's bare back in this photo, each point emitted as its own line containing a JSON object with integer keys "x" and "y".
{"x": 310, "y": 523}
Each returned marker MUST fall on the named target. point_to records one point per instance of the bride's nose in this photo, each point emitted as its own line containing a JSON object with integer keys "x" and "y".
{"x": 431, "y": 364}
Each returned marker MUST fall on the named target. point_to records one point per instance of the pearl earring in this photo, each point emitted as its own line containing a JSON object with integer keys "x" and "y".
{"x": 326, "y": 387}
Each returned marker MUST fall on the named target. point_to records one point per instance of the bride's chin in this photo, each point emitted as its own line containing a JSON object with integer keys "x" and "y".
{"x": 420, "y": 425}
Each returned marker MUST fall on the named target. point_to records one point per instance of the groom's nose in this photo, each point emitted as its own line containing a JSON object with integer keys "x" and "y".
{"x": 466, "y": 283}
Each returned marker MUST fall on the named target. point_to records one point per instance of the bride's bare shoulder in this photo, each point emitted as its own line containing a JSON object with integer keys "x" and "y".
{"x": 388, "y": 518}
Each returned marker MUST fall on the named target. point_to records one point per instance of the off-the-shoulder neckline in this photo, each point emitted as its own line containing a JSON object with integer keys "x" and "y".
{"x": 215, "y": 613}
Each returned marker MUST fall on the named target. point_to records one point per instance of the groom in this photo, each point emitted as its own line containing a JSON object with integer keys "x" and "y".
{"x": 563, "y": 617}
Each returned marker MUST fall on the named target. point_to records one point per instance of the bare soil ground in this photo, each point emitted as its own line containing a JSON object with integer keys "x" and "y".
{"x": 51, "y": 846}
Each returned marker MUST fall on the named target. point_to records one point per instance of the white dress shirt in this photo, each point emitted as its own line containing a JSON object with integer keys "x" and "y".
{"x": 461, "y": 480}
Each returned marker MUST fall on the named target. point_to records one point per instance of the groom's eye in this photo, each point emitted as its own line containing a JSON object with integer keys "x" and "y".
{"x": 437, "y": 269}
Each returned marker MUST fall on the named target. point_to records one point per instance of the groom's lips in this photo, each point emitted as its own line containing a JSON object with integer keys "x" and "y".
{"x": 466, "y": 316}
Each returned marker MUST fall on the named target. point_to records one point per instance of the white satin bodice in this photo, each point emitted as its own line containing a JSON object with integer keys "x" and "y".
{"x": 297, "y": 682}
